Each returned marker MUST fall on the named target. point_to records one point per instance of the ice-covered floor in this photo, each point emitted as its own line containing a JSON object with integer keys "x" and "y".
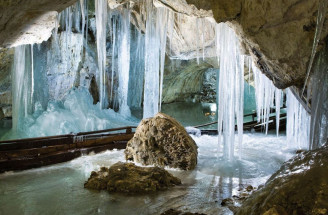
{"x": 59, "y": 189}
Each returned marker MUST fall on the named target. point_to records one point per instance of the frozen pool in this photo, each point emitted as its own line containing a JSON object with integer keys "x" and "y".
{"x": 59, "y": 189}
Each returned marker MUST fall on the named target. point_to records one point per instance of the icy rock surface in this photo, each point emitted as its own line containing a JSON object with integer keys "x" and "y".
{"x": 162, "y": 141}
{"x": 299, "y": 187}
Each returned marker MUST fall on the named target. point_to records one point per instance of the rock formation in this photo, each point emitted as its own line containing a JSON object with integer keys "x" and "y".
{"x": 299, "y": 187}
{"x": 278, "y": 34}
{"x": 176, "y": 212}
{"x": 129, "y": 178}
{"x": 162, "y": 141}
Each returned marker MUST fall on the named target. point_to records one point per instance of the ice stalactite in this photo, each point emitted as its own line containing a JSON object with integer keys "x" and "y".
{"x": 197, "y": 40}
{"x": 298, "y": 123}
{"x": 156, "y": 21}
{"x": 319, "y": 103}
{"x": 22, "y": 76}
{"x": 114, "y": 53}
{"x": 124, "y": 62}
{"x": 137, "y": 68}
{"x": 101, "y": 23}
{"x": 266, "y": 93}
{"x": 322, "y": 11}
{"x": 231, "y": 82}
{"x": 163, "y": 34}
{"x": 278, "y": 97}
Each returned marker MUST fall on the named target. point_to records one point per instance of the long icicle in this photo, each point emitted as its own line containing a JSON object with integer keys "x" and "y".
{"x": 101, "y": 23}
{"x": 322, "y": 9}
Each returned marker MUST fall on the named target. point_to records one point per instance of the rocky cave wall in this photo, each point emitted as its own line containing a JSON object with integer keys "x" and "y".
{"x": 278, "y": 35}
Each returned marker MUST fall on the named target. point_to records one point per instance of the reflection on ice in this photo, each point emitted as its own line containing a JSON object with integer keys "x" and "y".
{"x": 59, "y": 188}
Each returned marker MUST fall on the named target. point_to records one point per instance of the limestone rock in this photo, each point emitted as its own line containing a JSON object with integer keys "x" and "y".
{"x": 299, "y": 187}
{"x": 162, "y": 141}
{"x": 129, "y": 178}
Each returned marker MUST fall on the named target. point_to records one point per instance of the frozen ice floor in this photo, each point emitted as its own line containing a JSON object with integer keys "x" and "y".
{"x": 58, "y": 189}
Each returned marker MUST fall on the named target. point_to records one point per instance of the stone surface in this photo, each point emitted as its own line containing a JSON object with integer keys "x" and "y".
{"x": 162, "y": 141}
{"x": 299, "y": 187}
{"x": 26, "y": 22}
{"x": 129, "y": 178}
{"x": 278, "y": 34}
{"x": 176, "y": 212}
{"x": 187, "y": 81}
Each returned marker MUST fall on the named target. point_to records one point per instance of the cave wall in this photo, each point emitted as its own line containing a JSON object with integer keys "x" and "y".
{"x": 279, "y": 34}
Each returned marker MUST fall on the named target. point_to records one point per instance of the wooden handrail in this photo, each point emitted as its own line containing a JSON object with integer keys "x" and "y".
{"x": 212, "y": 123}
{"x": 66, "y": 135}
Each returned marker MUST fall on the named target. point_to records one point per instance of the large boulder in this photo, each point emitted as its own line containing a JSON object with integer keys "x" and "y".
{"x": 162, "y": 141}
{"x": 129, "y": 178}
{"x": 299, "y": 187}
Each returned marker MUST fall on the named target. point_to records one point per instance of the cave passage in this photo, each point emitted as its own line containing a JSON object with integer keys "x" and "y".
{"x": 108, "y": 67}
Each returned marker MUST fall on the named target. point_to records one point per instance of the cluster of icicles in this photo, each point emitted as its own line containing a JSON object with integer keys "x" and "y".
{"x": 145, "y": 74}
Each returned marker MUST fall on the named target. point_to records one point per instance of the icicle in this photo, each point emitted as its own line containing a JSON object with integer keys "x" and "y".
{"x": 319, "y": 104}
{"x": 155, "y": 22}
{"x": 163, "y": 34}
{"x": 265, "y": 91}
{"x": 22, "y": 86}
{"x": 197, "y": 40}
{"x": 124, "y": 63}
{"x": 203, "y": 39}
{"x": 278, "y": 105}
{"x": 298, "y": 123}
{"x": 239, "y": 105}
{"x": 230, "y": 88}
{"x": 113, "y": 57}
{"x": 323, "y": 5}
{"x": 137, "y": 70}
{"x": 171, "y": 29}
{"x": 101, "y": 19}
{"x": 32, "y": 74}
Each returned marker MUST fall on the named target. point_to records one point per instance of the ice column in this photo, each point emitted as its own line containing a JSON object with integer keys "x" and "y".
{"x": 137, "y": 69}
{"x": 124, "y": 62}
{"x": 319, "y": 104}
{"x": 231, "y": 82}
{"x": 22, "y": 85}
{"x": 101, "y": 23}
{"x": 298, "y": 123}
{"x": 156, "y": 21}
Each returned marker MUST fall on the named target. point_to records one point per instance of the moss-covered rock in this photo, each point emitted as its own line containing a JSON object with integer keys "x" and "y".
{"x": 129, "y": 178}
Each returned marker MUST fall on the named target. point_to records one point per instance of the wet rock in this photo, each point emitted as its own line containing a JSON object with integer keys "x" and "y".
{"x": 176, "y": 212}
{"x": 227, "y": 201}
{"x": 299, "y": 187}
{"x": 162, "y": 141}
{"x": 129, "y": 178}
{"x": 249, "y": 188}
